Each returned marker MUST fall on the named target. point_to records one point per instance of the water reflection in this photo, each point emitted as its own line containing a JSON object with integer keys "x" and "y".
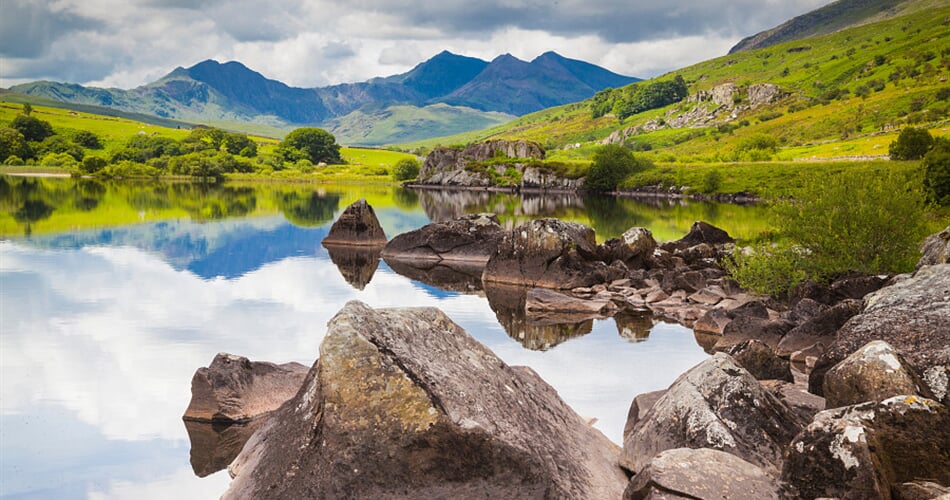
{"x": 448, "y": 276}
{"x": 114, "y": 293}
{"x": 214, "y": 446}
{"x": 357, "y": 265}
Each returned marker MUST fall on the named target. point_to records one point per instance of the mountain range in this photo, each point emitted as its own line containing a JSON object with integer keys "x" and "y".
{"x": 449, "y": 92}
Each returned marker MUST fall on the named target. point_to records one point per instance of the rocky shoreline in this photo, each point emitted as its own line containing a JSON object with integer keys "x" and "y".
{"x": 403, "y": 403}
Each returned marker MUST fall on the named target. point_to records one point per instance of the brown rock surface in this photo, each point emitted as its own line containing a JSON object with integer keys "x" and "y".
{"x": 469, "y": 238}
{"x": 863, "y": 451}
{"x": 402, "y": 403}
{"x": 719, "y": 405}
{"x": 912, "y": 316}
{"x": 357, "y": 225}
{"x": 761, "y": 361}
{"x": 235, "y": 389}
{"x": 701, "y": 473}
{"x": 874, "y": 372}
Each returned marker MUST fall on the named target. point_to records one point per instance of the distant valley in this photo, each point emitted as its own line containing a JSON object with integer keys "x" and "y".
{"x": 446, "y": 94}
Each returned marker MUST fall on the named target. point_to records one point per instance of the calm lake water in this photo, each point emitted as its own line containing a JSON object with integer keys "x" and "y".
{"x": 113, "y": 294}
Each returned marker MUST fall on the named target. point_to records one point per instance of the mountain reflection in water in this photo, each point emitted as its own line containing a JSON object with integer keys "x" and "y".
{"x": 113, "y": 294}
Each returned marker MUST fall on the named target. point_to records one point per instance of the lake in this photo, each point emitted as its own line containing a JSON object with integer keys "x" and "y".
{"x": 113, "y": 294}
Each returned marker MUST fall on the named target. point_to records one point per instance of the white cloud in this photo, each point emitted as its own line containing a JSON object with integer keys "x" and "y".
{"x": 126, "y": 44}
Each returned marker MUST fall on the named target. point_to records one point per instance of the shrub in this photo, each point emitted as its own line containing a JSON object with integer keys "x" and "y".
{"x": 92, "y": 164}
{"x": 911, "y": 144}
{"x": 314, "y": 144}
{"x": 32, "y": 128}
{"x": 13, "y": 160}
{"x": 767, "y": 269}
{"x": 871, "y": 223}
{"x": 406, "y": 169}
{"x": 62, "y": 160}
{"x": 87, "y": 139}
{"x": 611, "y": 165}
{"x": 712, "y": 181}
{"x": 757, "y": 147}
{"x": 937, "y": 171}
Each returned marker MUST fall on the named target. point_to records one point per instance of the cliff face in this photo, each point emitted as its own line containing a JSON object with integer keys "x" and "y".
{"x": 466, "y": 167}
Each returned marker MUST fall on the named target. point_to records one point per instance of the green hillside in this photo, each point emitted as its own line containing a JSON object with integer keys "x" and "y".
{"x": 846, "y": 94}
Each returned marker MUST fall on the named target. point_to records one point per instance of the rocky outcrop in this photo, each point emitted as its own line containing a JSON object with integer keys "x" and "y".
{"x": 544, "y": 179}
{"x": 403, "y": 403}
{"x": 701, "y": 473}
{"x": 868, "y": 450}
{"x": 235, "y": 389}
{"x": 763, "y": 93}
{"x": 874, "y": 372}
{"x": 716, "y": 404}
{"x": 935, "y": 249}
{"x": 912, "y": 316}
{"x": 549, "y": 253}
{"x": 447, "y": 166}
{"x": 470, "y": 238}
{"x": 357, "y": 226}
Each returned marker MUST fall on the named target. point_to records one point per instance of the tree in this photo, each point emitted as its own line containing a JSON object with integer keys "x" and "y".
{"x": 406, "y": 169}
{"x": 27, "y": 109}
{"x": 33, "y": 129}
{"x": 240, "y": 144}
{"x": 314, "y": 144}
{"x": 12, "y": 143}
{"x": 87, "y": 139}
{"x": 937, "y": 171}
{"x": 612, "y": 164}
{"x": 911, "y": 144}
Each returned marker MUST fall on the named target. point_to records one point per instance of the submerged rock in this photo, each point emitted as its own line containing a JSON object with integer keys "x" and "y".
{"x": 865, "y": 451}
{"x": 549, "y": 253}
{"x": 235, "y": 389}
{"x": 701, "y": 473}
{"x": 912, "y": 316}
{"x": 874, "y": 372}
{"x": 357, "y": 225}
{"x": 716, "y": 404}
{"x": 470, "y": 238}
{"x": 403, "y": 403}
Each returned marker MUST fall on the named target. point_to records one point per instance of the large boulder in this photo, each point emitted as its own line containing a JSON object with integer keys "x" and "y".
{"x": 235, "y": 389}
{"x": 761, "y": 361}
{"x": 701, "y": 473}
{"x": 865, "y": 451}
{"x": 358, "y": 226}
{"x": 403, "y": 403}
{"x": 818, "y": 329}
{"x": 716, "y": 404}
{"x": 549, "y": 253}
{"x": 635, "y": 247}
{"x": 470, "y": 238}
{"x": 447, "y": 166}
{"x": 935, "y": 249}
{"x": 912, "y": 316}
{"x": 703, "y": 232}
{"x": 874, "y": 372}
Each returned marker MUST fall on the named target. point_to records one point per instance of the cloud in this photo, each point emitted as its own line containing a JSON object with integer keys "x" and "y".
{"x": 314, "y": 43}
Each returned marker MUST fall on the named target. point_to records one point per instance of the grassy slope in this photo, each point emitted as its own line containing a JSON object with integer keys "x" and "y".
{"x": 820, "y": 131}
{"x": 407, "y": 123}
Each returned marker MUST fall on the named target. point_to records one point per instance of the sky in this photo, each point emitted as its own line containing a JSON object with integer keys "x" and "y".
{"x": 310, "y": 43}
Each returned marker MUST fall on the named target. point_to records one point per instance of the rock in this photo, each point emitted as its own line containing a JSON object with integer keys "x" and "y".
{"x": 760, "y": 360}
{"x": 714, "y": 322}
{"x": 911, "y": 315}
{"x": 635, "y": 247}
{"x": 863, "y": 451}
{"x": 470, "y": 238}
{"x": 856, "y": 287}
{"x": 639, "y": 408}
{"x": 920, "y": 490}
{"x": 214, "y": 446}
{"x": 543, "y": 300}
{"x": 404, "y": 403}
{"x": 357, "y": 264}
{"x": 724, "y": 94}
{"x": 235, "y": 389}
{"x": 701, "y": 473}
{"x": 763, "y": 93}
{"x": 446, "y": 166}
{"x": 874, "y": 372}
{"x": 688, "y": 281}
{"x": 820, "y": 329}
{"x": 549, "y": 253}
{"x": 806, "y": 309}
{"x": 935, "y": 249}
{"x": 796, "y": 397}
{"x": 716, "y": 404}
{"x": 752, "y": 309}
{"x": 744, "y": 328}
{"x": 357, "y": 225}
{"x": 542, "y": 178}
{"x": 702, "y": 232}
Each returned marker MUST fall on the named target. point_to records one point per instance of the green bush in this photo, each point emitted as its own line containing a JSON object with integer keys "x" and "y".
{"x": 712, "y": 181}
{"x": 870, "y": 223}
{"x": 611, "y": 165}
{"x": 92, "y": 164}
{"x": 766, "y": 269}
{"x": 911, "y": 144}
{"x": 406, "y": 169}
{"x": 937, "y": 171}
